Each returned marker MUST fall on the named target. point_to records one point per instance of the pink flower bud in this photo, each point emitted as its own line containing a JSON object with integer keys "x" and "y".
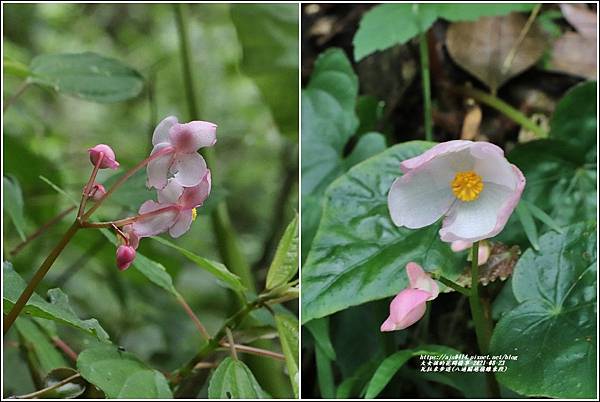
{"x": 97, "y": 191}
{"x": 125, "y": 256}
{"x": 109, "y": 161}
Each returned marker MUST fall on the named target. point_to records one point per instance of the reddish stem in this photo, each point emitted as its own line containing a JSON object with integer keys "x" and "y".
{"x": 127, "y": 221}
{"x": 88, "y": 186}
{"x": 193, "y": 316}
{"x": 66, "y": 349}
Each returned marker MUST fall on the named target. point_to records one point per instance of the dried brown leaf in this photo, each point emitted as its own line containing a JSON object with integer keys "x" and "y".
{"x": 581, "y": 18}
{"x": 482, "y": 47}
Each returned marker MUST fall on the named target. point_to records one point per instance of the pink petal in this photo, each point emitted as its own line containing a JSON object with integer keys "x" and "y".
{"x": 510, "y": 204}
{"x": 484, "y": 253}
{"x": 492, "y": 166}
{"x": 158, "y": 169}
{"x": 161, "y": 132}
{"x": 108, "y": 160}
{"x": 440, "y": 149}
{"x": 182, "y": 224}
{"x": 193, "y": 197}
{"x": 156, "y": 224}
{"x": 460, "y": 245}
{"x": 170, "y": 193}
{"x": 419, "y": 279}
{"x": 407, "y": 308}
{"x": 191, "y": 168}
{"x": 133, "y": 237}
{"x": 190, "y": 137}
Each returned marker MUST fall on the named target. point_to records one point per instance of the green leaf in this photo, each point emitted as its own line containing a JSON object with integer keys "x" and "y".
{"x": 234, "y": 380}
{"x": 39, "y": 347}
{"x": 328, "y": 122}
{"x": 285, "y": 262}
{"x": 215, "y": 268}
{"x": 358, "y": 254}
{"x": 13, "y": 202}
{"x": 528, "y": 225}
{"x": 268, "y": 34}
{"x": 288, "y": 329}
{"x": 15, "y": 68}
{"x": 575, "y": 121}
{"x": 541, "y": 216}
{"x": 553, "y": 329}
{"x": 87, "y": 76}
{"x": 324, "y": 373}
{"x": 59, "y": 190}
{"x": 387, "y": 25}
{"x": 58, "y": 309}
{"x": 319, "y": 329}
{"x": 388, "y": 368}
{"x": 152, "y": 270}
{"x": 121, "y": 374}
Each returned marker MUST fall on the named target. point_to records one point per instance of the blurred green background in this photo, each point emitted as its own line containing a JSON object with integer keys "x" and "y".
{"x": 246, "y": 81}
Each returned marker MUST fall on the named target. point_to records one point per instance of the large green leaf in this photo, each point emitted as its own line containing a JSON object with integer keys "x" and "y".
{"x": 58, "y": 309}
{"x": 328, "y": 121}
{"x": 87, "y": 76}
{"x": 285, "y": 262}
{"x": 575, "y": 121}
{"x": 387, "y": 25}
{"x": 234, "y": 380}
{"x": 121, "y": 374}
{"x": 358, "y": 254}
{"x": 215, "y": 268}
{"x": 269, "y": 37}
{"x": 288, "y": 329}
{"x": 388, "y": 368}
{"x": 39, "y": 347}
{"x": 152, "y": 270}
{"x": 553, "y": 329}
{"x": 13, "y": 203}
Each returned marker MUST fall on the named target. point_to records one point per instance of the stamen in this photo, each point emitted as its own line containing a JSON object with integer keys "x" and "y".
{"x": 467, "y": 186}
{"x": 194, "y": 214}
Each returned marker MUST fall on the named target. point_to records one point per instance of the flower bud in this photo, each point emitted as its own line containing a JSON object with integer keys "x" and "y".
{"x": 108, "y": 161}
{"x": 125, "y": 256}
{"x": 97, "y": 191}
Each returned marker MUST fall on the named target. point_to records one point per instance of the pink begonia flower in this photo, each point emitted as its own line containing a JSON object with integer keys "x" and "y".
{"x": 180, "y": 143}
{"x": 410, "y": 304}
{"x": 125, "y": 256}
{"x": 180, "y": 205}
{"x": 108, "y": 161}
{"x": 470, "y": 183}
{"x": 482, "y": 255}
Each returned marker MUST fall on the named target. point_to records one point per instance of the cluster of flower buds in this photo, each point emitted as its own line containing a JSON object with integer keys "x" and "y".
{"x": 176, "y": 171}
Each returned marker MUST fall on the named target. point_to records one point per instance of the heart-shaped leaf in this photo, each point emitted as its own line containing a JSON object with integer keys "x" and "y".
{"x": 328, "y": 121}
{"x": 87, "y": 76}
{"x": 358, "y": 254}
{"x": 121, "y": 374}
{"x": 234, "y": 380}
{"x": 57, "y": 309}
{"x": 553, "y": 329}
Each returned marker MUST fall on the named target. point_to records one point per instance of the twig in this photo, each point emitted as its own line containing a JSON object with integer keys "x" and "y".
{"x": 513, "y": 51}
{"x": 50, "y": 388}
{"x": 254, "y": 351}
{"x": 40, "y": 231}
{"x": 193, "y": 316}
{"x": 88, "y": 187}
{"x": 231, "y": 343}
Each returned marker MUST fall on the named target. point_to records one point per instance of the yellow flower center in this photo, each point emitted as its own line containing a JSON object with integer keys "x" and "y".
{"x": 467, "y": 186}
{"x": 194, "y": 214}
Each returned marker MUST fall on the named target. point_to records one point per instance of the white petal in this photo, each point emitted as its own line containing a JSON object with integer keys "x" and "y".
{"x": 475, "y": 220}
{"x": 422, "y": 196}
{"x": 182, "y": 224}
{"x": 171, "y": 193}
{"x": 158, "y": 169}
{"x": 191, "y": 168}
{"x": 492, "y": 166}
{"x": 161, "y": 132}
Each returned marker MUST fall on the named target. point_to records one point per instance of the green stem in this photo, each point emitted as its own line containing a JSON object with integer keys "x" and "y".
{"x": 454, "y": 285}
{"x": 225, "y": 235}
{"x": 10, "y": 318}
{"x": 503, "y": 108}
{"x": 483, "y": 328}
{"x": 425, "y": 80}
